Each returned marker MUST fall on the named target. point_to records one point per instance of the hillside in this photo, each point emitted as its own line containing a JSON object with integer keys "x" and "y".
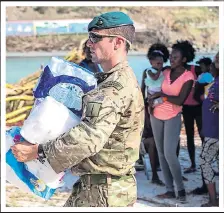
{"x": 164, "y": 24}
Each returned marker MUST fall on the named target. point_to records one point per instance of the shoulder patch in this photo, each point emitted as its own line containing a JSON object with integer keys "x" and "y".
{"x": 92, "y": 109}
{"x": 114, "y": 84}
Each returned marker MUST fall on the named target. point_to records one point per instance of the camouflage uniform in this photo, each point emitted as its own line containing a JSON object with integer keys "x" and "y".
{"x": 103, "y": 148}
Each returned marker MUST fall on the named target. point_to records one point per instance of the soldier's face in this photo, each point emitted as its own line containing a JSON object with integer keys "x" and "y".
{"x": 101, "y": 47}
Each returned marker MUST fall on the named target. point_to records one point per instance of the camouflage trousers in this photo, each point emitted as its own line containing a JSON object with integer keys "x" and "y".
{"x": 103, "y": 191}
{"x": 209, "y": 155}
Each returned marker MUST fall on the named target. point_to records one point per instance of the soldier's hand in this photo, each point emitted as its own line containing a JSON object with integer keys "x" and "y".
{"x": 25, "y": 151}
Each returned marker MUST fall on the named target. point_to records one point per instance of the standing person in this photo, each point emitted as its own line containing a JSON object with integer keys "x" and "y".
{"x": 204, "y": 64}
{"x": 87, "y": 61}
{"x": 104, "y": 147}
{"x": 152, "y": 80}
{"x": 203, "y": 80}
{"x": 192, "y": 111}
{"x": 166, "y": 116}
{"x": 202, "y": 84}
{"x": 210, "y": 130}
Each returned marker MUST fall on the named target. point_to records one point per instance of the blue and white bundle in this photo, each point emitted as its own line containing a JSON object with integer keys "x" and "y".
{"x": 66, "y": 82}
{"x": 58, "y": 104}
{"x": 26, "y": 176}
{"x": 58, "y": 108}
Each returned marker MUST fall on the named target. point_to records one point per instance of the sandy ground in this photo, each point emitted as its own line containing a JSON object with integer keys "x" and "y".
{"x": 146, "y": 190}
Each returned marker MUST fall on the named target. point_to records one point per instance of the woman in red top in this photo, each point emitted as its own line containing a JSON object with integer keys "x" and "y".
{"x": 166, "y": 116}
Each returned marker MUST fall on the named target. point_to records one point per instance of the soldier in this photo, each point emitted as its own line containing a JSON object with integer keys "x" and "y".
{"x": 104, "y": 147}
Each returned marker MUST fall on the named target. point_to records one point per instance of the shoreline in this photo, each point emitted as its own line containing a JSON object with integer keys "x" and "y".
{"x": 63, "y": 53}
{"x": 53, "y": 53}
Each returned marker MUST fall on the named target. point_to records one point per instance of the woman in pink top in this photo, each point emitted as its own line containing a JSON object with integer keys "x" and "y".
{"x": 166, "y": 116}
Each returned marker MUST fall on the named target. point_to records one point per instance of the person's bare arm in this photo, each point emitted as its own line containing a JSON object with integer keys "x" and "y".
{"x": 143, "y": 84}
{"x": 199, "y": 91}
{"x": 178, "y": 100}
{"x": 184, "y": 92}
{"x": 154, "y": 76}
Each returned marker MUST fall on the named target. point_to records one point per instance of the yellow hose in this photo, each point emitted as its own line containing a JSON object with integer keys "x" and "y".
{"x": 16, "y": 119}
{"x": 18, "y": 111}
{"x": 28, "y": 86}
{"x": 22, "y": 97}
{"x": 9, "y": 86}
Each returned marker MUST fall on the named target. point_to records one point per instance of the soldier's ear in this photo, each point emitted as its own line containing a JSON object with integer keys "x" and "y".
{"x": 118, "y": 43}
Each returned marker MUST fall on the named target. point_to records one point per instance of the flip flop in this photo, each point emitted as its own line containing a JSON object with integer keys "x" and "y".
{"x": 184, "y": 178}
{"x": 189, "y": 170}
{"x": 209, "y": 204}
{"x": 200, "y": 191}
{"x": 166, "y": 195}
{"x": 158, "y": 182}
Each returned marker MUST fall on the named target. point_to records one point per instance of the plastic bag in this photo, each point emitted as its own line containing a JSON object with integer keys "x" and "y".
{"x": 66, "y": 82}
{"x": 47, "y": 121}
{"x": 59, "y": 89}
{"x": 43, "y": 183}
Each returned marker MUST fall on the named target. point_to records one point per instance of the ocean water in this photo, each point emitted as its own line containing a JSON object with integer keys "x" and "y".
{"x": 19, "y": 67}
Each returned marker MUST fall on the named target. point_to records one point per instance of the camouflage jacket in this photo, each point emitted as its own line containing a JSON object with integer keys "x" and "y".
{"x": 108, "y": 138}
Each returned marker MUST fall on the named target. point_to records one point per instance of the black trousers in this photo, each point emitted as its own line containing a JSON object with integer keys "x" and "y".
{"x": 191, "y": 114}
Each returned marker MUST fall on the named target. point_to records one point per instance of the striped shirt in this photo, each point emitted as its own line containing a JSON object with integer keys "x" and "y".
{"x": 167, "y": 110}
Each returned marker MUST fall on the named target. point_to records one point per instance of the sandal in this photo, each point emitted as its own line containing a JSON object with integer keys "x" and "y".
{"x": 189, "y": 170}
{"x": 216, "y": 173}
{"x": 158, "y": 182}
{"x": 200, "y": 190}
{"x": 209, "y": 204}
{"x": 184, "y": 178}
{"x": 181, "y": 196}
{"x": 166, "y": 195}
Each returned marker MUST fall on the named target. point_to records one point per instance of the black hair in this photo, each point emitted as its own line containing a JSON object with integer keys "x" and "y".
{"x": 213, "y": 64}
{"x": 205, "y": 60}
{"x": 215, "y": 69}
{"x": 84, "y": 46}
{"x": 158, "y": 50}
{"x": 186, "y": 48}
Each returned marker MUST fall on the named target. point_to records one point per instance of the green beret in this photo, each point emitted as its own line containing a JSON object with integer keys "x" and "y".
{"x": 110, "y": 20}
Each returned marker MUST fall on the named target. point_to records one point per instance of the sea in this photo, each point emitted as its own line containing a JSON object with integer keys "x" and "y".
{"x": 19, "y": 65}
